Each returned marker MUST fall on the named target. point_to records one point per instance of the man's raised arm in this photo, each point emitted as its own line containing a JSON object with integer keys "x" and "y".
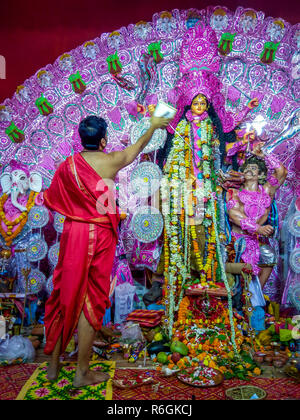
{"x": 124, "y": 158}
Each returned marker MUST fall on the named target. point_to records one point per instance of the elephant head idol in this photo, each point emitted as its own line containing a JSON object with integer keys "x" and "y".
{"x": 20, "y": 192}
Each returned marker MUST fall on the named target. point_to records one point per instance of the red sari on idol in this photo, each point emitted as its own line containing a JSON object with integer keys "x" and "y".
{"x": 81, "y": 278}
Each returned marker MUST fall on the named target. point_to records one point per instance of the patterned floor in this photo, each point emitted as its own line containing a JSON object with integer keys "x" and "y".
{"x": 13, "y": 378}
{"x": 172, "y": 389}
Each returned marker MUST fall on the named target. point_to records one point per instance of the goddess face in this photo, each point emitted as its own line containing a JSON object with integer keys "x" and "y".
{"x": 199, "y": 105}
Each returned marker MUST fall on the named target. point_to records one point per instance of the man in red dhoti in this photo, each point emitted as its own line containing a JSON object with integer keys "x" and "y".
{"x": 87, "y": 248}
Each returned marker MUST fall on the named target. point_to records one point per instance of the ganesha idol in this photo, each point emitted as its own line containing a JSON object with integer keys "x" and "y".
{"x": 21, "y": 193}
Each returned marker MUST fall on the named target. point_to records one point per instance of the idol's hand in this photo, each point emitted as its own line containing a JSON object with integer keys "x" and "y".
{"x": 253, "y": 103}
{"x": 141, "y": 109}
{"x": 265, "y": 230}
{"x": 257, "y": 150}
{"x": 249, "y": 137}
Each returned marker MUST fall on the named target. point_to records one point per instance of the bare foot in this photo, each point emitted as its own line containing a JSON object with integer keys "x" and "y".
{"x": 53, "y": 371}
{"x": 89, "y": 378}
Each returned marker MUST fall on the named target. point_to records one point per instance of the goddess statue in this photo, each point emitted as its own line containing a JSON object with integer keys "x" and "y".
{"x": 193, "y": 154}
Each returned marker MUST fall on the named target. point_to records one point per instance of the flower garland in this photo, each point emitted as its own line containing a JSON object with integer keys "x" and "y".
{"x": 202, "y": 134}
{"x": 175, "y": 170}
{"x": 224, "y": 278}
{"x": 180, "y": 231}
{"x": 21, "y": 220}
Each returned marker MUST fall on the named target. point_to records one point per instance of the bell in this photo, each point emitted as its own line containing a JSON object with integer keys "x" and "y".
{"x": 5, "y": 254}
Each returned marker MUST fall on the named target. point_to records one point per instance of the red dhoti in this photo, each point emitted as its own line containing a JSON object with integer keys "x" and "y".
{"x": 81, "y": 278}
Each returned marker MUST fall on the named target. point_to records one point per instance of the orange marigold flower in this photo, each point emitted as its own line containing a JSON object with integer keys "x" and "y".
{"x": 257, "y": 371}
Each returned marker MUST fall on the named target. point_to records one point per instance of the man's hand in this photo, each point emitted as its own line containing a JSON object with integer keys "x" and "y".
{"x": 159, "y": 122}
{"x": 265, "y": 230}
{"x": 253, "y": 103}
{"x": 151, "y": 109}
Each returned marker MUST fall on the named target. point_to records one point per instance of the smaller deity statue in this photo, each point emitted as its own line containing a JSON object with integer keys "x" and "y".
{"x": 248, "y": 21}
{"x": 66, "y": 63}
{"x": 115, "y": 40}
{"x": 45, "y": 78}
{"x": 142, "y": 29}
{"x": 23, "y": 93}
{"x": 166, "y": 23}
{"x": 249, "y": 210}
{"x": 276, "y": 30}
{"x": 90, "y": 50}
{"x": 219, "y": 19}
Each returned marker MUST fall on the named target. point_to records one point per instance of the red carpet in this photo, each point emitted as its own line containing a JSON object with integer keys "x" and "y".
{"x": 172, "y": 389}
{"x": 13, "y": 378}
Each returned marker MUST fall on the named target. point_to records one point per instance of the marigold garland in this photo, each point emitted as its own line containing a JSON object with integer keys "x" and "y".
{"x": 180, "y": 235}
{"x": 21, "y": 220}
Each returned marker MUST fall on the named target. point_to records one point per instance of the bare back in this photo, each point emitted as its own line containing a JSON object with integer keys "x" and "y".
{"x": 102, "y": 163}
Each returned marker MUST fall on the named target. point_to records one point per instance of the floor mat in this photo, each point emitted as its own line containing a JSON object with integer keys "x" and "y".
{"x": 39, "y": 388}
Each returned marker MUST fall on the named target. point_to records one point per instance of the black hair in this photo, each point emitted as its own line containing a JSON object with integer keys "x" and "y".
{"x": 91, "y": 130}
{"x": 253, "y": 160}
{"x": 222, "y": 137}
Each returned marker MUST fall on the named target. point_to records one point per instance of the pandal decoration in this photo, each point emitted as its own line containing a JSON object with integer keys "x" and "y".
{"x": 59, "y": 221}
{"x": 35, "y": 282}
{"x": 38, "y": 217}
{"x": 145, "y": 179}
{"x": 37, "y": 249}
{"x": 295, "y": 260}
{"x": 49, "y": 285}
{"x": 147, "y": 224}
